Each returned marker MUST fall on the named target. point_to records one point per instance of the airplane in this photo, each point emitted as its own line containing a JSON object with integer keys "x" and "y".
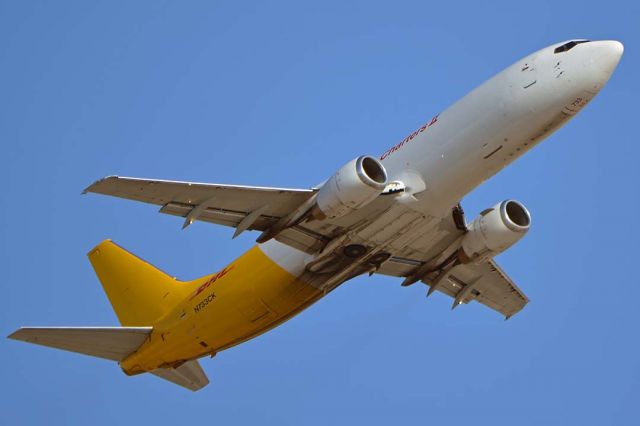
{"x": 398, "y": 215}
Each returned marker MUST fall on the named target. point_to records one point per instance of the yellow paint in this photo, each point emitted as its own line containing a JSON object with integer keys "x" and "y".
{"x": 139, "y": 293}
{"x": 191, "y": 319}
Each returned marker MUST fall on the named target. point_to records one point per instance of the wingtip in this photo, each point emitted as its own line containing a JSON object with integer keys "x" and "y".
{"x": 14, "y": 335}
{"x": 92, "y": 187}
{"x": 21, "y": 335}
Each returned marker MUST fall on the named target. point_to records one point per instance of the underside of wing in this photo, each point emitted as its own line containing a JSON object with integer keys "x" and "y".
{"x": 241, "y": 207}
{"x": 437, "y": 262}
{"x": 500, "y": 292}
{"x": 228, "y": 205}
{"x": 484, "y": 282}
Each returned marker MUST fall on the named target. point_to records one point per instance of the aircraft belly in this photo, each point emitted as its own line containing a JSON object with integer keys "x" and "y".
{"x": 253, "y": 296}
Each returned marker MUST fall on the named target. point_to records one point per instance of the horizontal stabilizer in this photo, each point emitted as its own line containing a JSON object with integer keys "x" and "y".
{"x": 114, "y": 343}
{"x": 189, "y": 375}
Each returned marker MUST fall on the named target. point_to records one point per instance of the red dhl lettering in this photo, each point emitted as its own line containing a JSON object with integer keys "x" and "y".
{"x": 211, "y": 280}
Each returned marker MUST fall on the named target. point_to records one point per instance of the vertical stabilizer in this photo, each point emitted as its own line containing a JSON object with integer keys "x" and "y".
{"x": 139, "y": 292}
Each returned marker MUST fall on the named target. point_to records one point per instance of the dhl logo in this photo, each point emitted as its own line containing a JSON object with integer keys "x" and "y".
{"x": 211, "y": 280}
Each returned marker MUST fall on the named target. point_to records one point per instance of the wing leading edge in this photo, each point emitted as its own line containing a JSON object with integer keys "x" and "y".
{"x": 241, "y": 207}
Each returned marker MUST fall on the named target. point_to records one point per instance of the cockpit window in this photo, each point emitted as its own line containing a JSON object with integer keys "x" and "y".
{"x": 568, "y": 46}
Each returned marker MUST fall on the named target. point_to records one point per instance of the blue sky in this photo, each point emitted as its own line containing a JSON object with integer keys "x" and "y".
{"x": 282, "y": 94}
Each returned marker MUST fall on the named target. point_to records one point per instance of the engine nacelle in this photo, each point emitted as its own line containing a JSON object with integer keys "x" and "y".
{"x": 355, "y": 185}
{"x": 494, "y": 231}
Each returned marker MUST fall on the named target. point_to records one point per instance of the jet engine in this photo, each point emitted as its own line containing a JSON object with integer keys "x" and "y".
{"x": 355, "y": 185}
{"x": 494, "y": 231}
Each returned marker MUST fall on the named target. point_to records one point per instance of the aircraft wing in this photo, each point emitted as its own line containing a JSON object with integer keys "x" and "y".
{"x": 494, "y": 289}
{"x": 485, "y": 283}
{"x": 241, "y": 207}
{"x": 221, "y": 204}
{"x": 258, "y": 208}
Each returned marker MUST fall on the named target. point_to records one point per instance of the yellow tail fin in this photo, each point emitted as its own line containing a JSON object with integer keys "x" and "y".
{"x": 139, "y": 292}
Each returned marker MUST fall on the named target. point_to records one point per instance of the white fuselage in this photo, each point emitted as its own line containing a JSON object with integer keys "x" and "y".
{"x": 499, "y": 121}
{"x": 487, "y": 129}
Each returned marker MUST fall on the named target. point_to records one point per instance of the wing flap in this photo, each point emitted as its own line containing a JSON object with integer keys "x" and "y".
{"x": 114, "y": 343}
{"x": 219, "y": 216}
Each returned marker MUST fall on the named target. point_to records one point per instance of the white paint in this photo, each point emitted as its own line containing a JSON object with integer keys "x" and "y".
{"x": 350, "y": 188}
{"x": 288, "y": 258}
{"x": 487, "y": 129}
{"x": 450, "y": 154}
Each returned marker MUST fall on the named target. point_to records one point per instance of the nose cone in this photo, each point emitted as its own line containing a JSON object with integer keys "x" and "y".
{"x": 599, "y": 59}
{"x": 605, "y": 56}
